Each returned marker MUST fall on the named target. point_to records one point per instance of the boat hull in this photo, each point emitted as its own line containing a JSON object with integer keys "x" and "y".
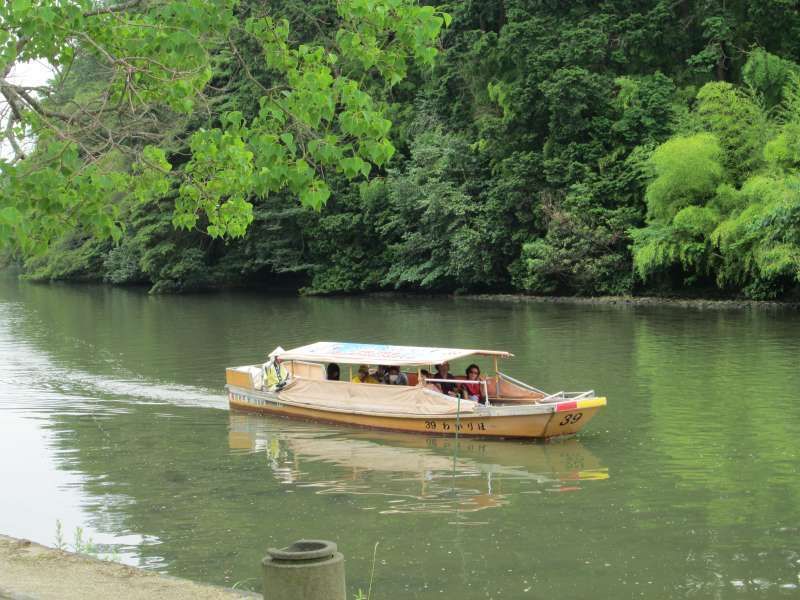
{"x": 547, "y": 423}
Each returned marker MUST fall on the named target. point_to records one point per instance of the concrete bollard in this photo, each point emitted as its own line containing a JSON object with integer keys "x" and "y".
{"x": 305, "y": 570}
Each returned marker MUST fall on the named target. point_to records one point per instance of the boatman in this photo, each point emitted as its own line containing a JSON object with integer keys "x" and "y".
{"x": 275, "y": 374}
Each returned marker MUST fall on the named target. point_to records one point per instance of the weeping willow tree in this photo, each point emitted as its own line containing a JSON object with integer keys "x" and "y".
{"x": 724, "y": 197}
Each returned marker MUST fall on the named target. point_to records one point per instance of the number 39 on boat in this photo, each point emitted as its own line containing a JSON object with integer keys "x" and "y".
{"x": 304, "y": 383}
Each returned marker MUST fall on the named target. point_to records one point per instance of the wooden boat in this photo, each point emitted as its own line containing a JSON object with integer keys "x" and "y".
{"x": 513, "y": 409}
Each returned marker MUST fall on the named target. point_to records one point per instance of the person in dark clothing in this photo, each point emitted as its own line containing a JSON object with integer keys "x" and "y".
{"x": 443, "y": 372}
{"x": 333, "y": 372}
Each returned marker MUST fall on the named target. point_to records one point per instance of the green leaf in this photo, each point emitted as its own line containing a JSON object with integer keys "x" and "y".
{"x": 10, "y": 216}
{"x": 21, "y": 7}
{"x": 288, "y": 139}
{"x": 316, "y": 195}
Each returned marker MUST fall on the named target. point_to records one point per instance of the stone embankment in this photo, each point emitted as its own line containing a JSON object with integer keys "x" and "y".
{"x": 695, "y": 303}
{"x": 29, "y": 571}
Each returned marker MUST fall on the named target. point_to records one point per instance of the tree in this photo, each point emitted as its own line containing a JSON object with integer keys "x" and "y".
{"x": 153, "y": 60}
{"x": 521, "y": 160}
{"x": 724, "y": 203}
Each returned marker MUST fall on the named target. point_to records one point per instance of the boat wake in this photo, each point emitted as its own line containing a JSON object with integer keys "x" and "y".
{"x": 31, "y": 379}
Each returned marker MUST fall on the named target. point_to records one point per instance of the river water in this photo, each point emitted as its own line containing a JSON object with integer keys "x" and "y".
{"x": 113, "y": 418}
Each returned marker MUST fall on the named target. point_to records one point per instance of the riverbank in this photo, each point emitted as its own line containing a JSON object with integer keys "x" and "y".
{"x": 676, "y": 300}
{"x": 29, "y": 571}
{"x": 695, "y": 303}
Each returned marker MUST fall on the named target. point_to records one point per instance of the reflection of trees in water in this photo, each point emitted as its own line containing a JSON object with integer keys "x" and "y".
{"x": 717, "y": 407}
{"x": 724, "y": 430}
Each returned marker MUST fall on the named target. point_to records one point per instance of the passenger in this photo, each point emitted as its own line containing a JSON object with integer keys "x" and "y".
{"x": 363, "y": 376}
{"x": 431, "y": 386}
{"x": 276, "y": 376}
{"x": 381, "y": 373}
{"x": 333, "y": 372}
{"x": 443, "y": 372}
{"x": 395, "y": 377}
{"x": 473, "y": 391}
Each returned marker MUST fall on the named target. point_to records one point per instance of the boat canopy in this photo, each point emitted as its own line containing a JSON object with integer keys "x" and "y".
{"x": 380, "y": 354}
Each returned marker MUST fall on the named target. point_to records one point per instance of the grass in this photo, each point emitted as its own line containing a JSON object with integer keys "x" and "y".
{"x": 81, "y": 544}
{"x": 360, "y": 593}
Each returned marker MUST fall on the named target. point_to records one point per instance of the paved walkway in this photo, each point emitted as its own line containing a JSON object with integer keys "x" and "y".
{"x": 29, "y": 571}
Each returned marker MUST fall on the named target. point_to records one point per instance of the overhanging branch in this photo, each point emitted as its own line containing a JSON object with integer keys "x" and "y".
{"x": 12, "y": 139}
{"x": 121, "y": 7}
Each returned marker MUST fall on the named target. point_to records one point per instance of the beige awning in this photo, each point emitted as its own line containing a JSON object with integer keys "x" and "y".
{"x": 380, "y": 354}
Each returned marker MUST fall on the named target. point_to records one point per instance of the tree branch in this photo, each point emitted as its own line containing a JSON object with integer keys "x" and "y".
{"x": 13, "y": 102}
{"x": 121, "y": 7}
{"x": 12, "y": 139}
{"x": 19, "y": 92}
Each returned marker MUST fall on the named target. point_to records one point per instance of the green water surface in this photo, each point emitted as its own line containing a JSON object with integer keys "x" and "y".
{"x": 113, "y": 418}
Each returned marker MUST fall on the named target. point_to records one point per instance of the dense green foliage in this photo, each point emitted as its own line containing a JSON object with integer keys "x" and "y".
{"x": 725, "y": 201}
{"x": 152, "y": 62}
{"x": 555, "y": 147}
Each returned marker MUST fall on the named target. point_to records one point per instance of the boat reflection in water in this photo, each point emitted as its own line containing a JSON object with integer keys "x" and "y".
{"x": 405, "y": 473}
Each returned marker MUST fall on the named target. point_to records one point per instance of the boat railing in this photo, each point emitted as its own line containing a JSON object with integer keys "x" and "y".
{"x": 557, "y": 397}
{"x": 521, "y": 384}
{"x": 460, "y": 381}
{"x": 562, "y": 395}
